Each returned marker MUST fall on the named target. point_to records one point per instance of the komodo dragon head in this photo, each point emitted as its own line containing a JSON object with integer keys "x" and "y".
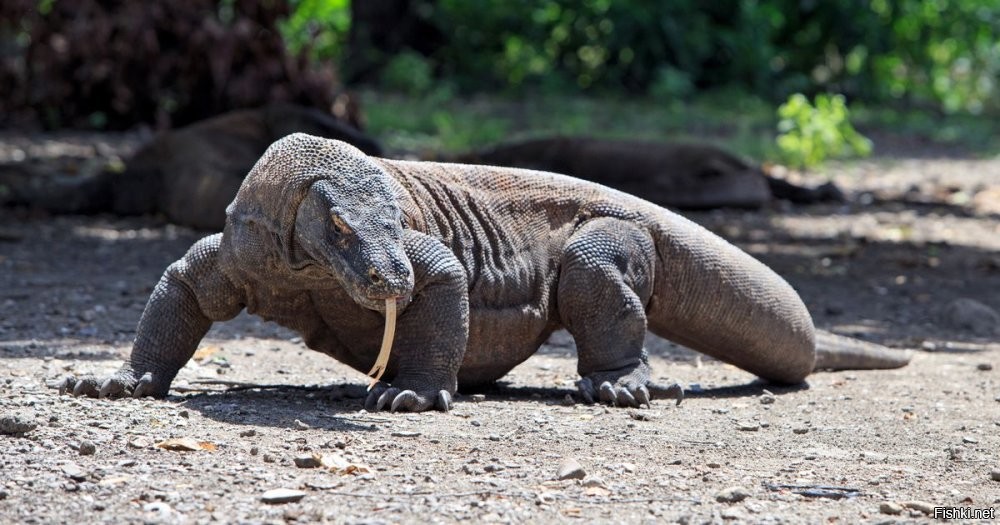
{"x": 331, "y": 212}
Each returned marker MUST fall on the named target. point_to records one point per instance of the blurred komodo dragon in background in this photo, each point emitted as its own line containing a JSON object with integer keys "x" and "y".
{"x": 685, "y": 176}
{"x": 189, "y": 174}
{"x": 485, "y": 263}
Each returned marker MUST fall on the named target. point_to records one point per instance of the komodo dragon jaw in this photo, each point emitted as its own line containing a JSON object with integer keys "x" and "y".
{"x": 360, "y": 245}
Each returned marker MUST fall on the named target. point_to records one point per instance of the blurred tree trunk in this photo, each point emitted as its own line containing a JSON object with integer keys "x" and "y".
{"x": 382, "y": 28}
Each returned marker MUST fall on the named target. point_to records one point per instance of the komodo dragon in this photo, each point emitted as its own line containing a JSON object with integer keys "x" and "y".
{"x": 485, "y": 263}
{"x": 189, "y": 174}
{"x": 686, "y": 176}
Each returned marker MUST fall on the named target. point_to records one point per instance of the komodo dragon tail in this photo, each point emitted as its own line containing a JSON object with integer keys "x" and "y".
{"x": 836, "y": 352}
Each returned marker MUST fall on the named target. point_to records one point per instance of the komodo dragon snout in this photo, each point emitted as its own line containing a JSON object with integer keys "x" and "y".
{"x": 356, "y": 235}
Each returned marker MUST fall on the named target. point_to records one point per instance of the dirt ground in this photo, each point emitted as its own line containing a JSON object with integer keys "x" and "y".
{"x": 847, "y": 447}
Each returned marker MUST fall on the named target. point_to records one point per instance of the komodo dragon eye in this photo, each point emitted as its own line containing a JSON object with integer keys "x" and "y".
{"x": 339, "y": 225}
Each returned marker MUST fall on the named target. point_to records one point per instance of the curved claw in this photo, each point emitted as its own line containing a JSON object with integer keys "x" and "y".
{"x": 642, "y": 397}
{"x": 625, "y": 398}
{"x": 607, "y": 393}
{"x": 410, "y": 401}
{"x": 376, "y": 391}
{"x": 586, "y": 389}
{"x": 443, "y": 402}
{"x": 86, "y": 387}
{"x": 111, "y": 388}
{"x": 144, "y": 387}
{"x": 386, "y": 398}
{"x": 66, "y": 385}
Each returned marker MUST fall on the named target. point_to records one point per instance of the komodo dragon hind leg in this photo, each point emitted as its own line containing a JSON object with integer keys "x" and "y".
{"x": 605, "y": 283}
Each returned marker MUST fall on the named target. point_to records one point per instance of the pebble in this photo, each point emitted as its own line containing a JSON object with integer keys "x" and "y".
{"x": 889, "y": 507}
{"x": 308, "y": 461}
{"x": 74, "y": 472}
{"x": 17, "y": 424}
{"x": 300, "y": 425}
{"x": 278, "y": 496}
{"x": 748, "y": 426}
{"x": 800, "y": 430}
{"x": 3, "y": 494}
{"x": 140, "y": 442}
{"x": 970, "y": 440}
{"x": 995, "y": 474}
{"x": 268, "y": 458}
{"x": 767, "y": 397}
{"x": 478, "y": 398}
{"x": 595, "y": 482}
{"x": 985, "y": 367}
{"x": 405, "y": 434}
{"x": 732, "y": 495}
{"x": 570, "y": 469}
{"x": 87, "y": 448}
{"x": 921, "y": 506}
{"x": 248, "y": 433}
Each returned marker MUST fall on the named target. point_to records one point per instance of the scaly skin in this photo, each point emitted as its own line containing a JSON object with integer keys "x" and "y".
{"x": 484, "y": 262}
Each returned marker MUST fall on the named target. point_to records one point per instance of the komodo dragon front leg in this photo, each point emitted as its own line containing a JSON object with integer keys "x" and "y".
{"x": 432, "y": 332}
{"x": 191, "y": 295}
{"x": 606, "y": 282}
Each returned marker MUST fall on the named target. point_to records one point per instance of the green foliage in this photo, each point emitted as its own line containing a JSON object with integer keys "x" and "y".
{"x": 810, "y": 134}
{"x": 942, "y": 54}
{"x": 321, "y": 26}
{"x": 408, "y": 73}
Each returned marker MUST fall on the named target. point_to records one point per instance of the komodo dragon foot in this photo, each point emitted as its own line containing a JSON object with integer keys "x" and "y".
{"x": 625, "y": 387}
{"x": 412, "y": 399}
{"x": 126, "y": 382}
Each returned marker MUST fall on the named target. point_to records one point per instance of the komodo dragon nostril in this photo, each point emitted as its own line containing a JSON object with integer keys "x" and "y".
{"x": 374, "y": 276}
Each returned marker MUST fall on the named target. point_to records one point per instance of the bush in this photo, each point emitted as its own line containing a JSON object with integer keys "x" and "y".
{"x": 809, "y": 134}
{"x": 113, "y": 64}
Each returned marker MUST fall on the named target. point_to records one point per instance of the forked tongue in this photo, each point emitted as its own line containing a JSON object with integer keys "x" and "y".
{"x": 390, "y": 332}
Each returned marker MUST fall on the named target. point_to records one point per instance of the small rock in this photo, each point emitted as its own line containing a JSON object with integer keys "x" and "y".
{"x": 995, "y": 474}
{"x": 800, "y": 430}
{"x": 268, "y": 458}
{"x": 972, "y": 315}
{"x": 767, "y": 399}
{"x": 921, "y": 506}
{"x": 985, "y": 367}
{"x": 477, "y": 398}
{"x": 568, "y": 401}
{"x": 300, "y": 425}
{"x": 278, "y": 496}
{"x": 74, "y": 472}
{"x": 3, "y": 494}
{"x": 595, "y": 482}
{"x": 17, "y": 424}
{"x": 970, "y": 440}
{"x": 641, "y": 415}
{"x": 405, "y": 434}
{"x": 732, "y": 495}
{"x": 889, "y": 507}
{"x": 308, "y": 461}
{"x": 248, "y": 433}
{"x": 570, "y": 469}
{"x": 495, "y": 437}
{"x": 748, "y": 426}
{"x": 87, "y": 448}
{"x": 140, "y": 442}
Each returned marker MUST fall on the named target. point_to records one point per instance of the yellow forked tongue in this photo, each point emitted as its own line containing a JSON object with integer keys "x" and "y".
{"x": 390, "y": 332}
